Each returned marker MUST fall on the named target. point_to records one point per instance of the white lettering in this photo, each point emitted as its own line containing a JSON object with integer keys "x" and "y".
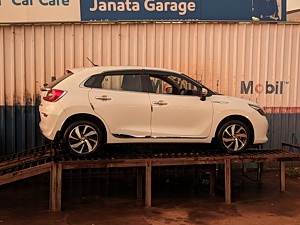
{"x": 115, "y": 6}
{"x": 121, "y": 6}
{"x": 136, "y": 6}
{"x": 149, "y": 5}
{"x": 173, "y": 6}
{"x": 95, "y": 6}
{"x": 111, "y": 6}
{"x": 192, "y": 6}
{"x": 54, "y": 2}
{"x": 182, "y": 7}
{"x": 102, "y": 6}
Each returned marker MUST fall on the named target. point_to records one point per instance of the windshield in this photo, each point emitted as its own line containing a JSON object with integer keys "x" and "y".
{"x": 210, "y": 92}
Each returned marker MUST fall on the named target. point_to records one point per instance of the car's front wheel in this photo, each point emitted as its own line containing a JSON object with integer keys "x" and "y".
{"x": 234, "y": 136}
{"x": 82, "y": 138}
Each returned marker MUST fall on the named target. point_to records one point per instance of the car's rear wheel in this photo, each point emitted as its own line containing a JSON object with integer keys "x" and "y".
{"x": 82, "y": 138}
{"x": 234, "y": 136}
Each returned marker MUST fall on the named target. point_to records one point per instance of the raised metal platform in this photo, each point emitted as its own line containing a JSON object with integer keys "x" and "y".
{"x": 52, "y": 159}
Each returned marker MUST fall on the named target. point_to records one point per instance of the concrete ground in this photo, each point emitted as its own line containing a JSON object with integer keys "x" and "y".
{"x": 89, "y": 198}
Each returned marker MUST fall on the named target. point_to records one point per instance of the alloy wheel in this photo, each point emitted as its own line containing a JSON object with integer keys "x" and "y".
{"x": 83, "y": 139}
{"x": 235, "y": 137}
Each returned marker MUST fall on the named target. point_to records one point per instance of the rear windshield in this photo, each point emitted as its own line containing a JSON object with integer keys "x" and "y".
{"x": 58, "y": 80}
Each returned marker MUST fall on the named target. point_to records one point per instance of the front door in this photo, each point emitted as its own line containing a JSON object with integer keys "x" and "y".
{"x": 177, "y": 109}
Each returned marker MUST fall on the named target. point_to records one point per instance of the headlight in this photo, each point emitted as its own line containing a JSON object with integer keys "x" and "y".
{"x": 258, "y": 109}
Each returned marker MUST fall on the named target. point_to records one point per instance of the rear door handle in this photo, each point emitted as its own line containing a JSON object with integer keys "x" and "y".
{"x": 103, "y": 98}
{"x": 160, "y": 102}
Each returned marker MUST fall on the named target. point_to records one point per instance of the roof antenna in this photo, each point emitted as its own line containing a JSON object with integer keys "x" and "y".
{"x": 92, "y": 62}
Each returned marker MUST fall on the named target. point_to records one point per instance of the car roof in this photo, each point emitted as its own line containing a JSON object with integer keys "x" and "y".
{"x": 101, "y": 69}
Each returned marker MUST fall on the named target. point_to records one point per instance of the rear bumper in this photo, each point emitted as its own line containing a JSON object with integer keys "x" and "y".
{"x": 52, "y": 117}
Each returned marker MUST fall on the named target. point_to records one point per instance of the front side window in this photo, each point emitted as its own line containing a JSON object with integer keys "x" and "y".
{"x": 169, "y": 84}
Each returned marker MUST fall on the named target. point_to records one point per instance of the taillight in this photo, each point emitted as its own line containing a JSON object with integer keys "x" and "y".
{"x": 54, "y": 95}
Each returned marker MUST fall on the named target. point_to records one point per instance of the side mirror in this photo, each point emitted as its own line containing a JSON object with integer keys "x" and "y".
{"x": 203, "y": 95}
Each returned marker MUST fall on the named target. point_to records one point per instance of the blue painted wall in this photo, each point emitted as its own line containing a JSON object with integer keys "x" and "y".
{"x": 19, "y": 129}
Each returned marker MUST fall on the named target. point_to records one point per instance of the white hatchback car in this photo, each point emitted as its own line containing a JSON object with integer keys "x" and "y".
{"x": 92, "y": 106}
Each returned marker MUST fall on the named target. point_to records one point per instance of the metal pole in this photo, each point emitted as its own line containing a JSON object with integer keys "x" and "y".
{"x": 282, "y": 176}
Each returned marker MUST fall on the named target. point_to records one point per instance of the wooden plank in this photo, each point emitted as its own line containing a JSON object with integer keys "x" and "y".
{"x": 140, "y": 177}
{"x": 185, "y": 161}
{"x": 212, "y": 181}
{"x": 280, "y": 156}
{"x": 55, "y": 187}
{"x": 282, "y": 176}
{"x": 148, "y": 185}
{"x": 102, "y": 164}
{"x": 59, "y": 187}
{"x": 22, "y": 160}
{"x": 227, "y": 175}
{"x": 25, "y": 173}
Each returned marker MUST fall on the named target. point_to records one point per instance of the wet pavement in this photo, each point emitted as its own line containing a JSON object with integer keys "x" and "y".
{"x": 179, "y": 197}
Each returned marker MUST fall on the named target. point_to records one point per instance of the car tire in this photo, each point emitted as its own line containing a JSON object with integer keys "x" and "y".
{"x": 82, "y": 138}
{"x": 234, "y": 136}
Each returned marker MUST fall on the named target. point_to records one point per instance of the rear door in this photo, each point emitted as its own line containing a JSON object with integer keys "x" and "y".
{"x": 119, "y": 100}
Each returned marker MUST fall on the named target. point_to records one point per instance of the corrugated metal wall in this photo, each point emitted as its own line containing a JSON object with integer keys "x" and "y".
{"x": 237, "y": 59}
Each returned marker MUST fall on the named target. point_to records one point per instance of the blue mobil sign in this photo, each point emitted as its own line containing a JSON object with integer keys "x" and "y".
{"x": 97, "y": 10}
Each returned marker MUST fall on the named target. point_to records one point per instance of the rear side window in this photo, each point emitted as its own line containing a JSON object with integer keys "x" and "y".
{"x": 90, "y": 82}
{"x": 118, "y": 82}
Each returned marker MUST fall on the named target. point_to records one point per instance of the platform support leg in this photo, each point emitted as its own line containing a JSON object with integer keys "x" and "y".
{"x": 212, "y": 181}
{"x": 139, "y": 193}
{"x": 148, "y": 180}
{"x": 282, "y": 176}
{"x": 227, "y": 175}
{"x": 245, "y": 169}
{"x": 55, "y": 186}
{"x": 259, "y": 171}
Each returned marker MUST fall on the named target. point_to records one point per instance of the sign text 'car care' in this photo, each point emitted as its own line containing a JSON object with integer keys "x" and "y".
{"x": 42, "y": 2}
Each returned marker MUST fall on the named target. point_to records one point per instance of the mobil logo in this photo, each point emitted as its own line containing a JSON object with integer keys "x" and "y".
{"x": 267, "y": 88}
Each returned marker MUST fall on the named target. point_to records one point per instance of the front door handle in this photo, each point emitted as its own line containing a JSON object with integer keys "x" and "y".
{"x": 160, "y": 102}
{"x": 103, "y": 98}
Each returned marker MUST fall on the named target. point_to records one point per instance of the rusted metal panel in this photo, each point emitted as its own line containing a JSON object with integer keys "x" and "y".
{"x": 256, "y": 61}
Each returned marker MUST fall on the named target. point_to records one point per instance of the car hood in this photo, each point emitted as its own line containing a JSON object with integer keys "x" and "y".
{"x": 234, "y": 99}
{"x": 241, "y": 100}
